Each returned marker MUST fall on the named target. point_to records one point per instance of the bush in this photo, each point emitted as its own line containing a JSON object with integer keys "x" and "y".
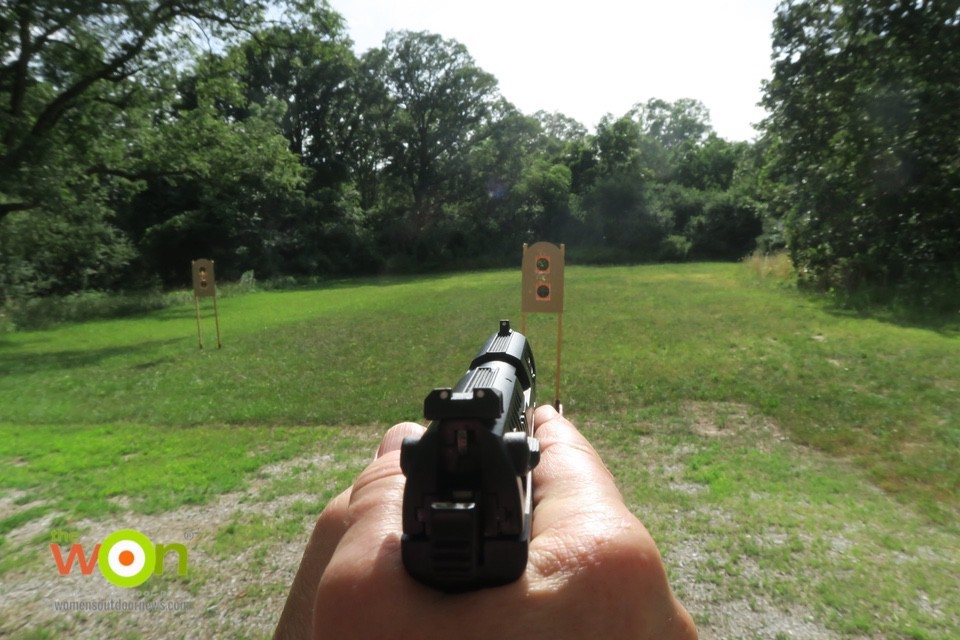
{"x": 675, "y": 249}
{"x": 40, "y": 313}
{"x": 727, "y": 230}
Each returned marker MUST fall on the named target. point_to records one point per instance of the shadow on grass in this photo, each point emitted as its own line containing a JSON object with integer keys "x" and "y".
{"x": 177, "y": 313}
{"x": 351, "y": 282}
{"x": 28, "y": 363}
{"x": 941, "y": 317}
{"x": 943, "y": 323}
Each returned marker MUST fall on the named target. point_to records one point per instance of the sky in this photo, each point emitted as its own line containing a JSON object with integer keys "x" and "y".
{"x": 587, "y": 59}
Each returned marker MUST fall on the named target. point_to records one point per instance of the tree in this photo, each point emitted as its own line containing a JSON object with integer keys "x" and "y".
{"x": 677, "y": 124}
{"x": 222, "y": 180}
{"x": 559, "y": 133}
{"x": 78, "y": 85}
{"x": 728, "y": 228}
{"x": 670, "y": 130}
{"x": 307, "y": 65}
{"x": 520, "y": 192}
{"x": 58, "y": 58}
{"x": 334, "y": 110}
{"x": 488, "y": 184}
{"x": 657, "y": 184}
{"x": 544, "y": 200}
{"x": 443, "y": 102}
{"x": 863, "y": 133}
{"x": 710, "y": 165}
{"x": 617, "y": 209}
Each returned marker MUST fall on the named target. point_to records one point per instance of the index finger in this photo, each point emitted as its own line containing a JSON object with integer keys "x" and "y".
{"x": 578, "y": 510}
{"x": 569, "y": 465}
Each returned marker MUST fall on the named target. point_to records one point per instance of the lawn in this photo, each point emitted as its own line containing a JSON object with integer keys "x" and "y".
{"x": 797, "y": 464}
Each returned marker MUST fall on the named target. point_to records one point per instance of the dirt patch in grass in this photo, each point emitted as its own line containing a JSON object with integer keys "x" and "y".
{"x": 721, "y": 613}
{"x": 728, "y": 419}
{"x": 9, "y": 503}
{"x": 239, "y": 594}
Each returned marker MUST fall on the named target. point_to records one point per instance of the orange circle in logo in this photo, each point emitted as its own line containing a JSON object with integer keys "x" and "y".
{"x": 126, "y": 558}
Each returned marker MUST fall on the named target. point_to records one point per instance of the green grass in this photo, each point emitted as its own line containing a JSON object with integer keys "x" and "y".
{"x": 85, "y": 470}
{"x": 768, "y": 522}
{"x": 110, "y": 416}
{"x": 638, "y": 340}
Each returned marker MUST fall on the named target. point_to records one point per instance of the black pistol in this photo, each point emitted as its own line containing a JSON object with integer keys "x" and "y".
{"x": 467, "y": 502}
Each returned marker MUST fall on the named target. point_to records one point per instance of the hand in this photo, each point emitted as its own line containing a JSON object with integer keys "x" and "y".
{"x": 593, "y": 569}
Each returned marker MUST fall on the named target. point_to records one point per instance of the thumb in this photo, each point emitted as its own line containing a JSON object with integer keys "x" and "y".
{"x": 394, "y": 436}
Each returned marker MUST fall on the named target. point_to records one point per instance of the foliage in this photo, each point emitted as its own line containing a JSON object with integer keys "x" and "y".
{"x": 47, "y": 311}
{"x": 234, "y": 179}
{"x": 727, "y": 229}
{"x": 862, "y": 133}
{"x": 62, "y": 250}
{"x": 79, "y": 86}
{"x": 279, "y": 150}
{"x": 665, "y": 187}
{"x": 443, "y": 106}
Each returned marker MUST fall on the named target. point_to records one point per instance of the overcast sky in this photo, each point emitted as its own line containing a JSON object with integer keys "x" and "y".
{"x": 586, "y": 59}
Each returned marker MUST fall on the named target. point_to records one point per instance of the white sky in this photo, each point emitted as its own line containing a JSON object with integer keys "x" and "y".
{"x": 587, "y": 59}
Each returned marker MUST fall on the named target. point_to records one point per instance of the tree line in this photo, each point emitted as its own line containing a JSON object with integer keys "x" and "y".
{"x": 140, "y": 134}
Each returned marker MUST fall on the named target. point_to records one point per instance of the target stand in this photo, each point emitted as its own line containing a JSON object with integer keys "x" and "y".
{"x": 205, "y": 286}
{"x": 542, "y": 292}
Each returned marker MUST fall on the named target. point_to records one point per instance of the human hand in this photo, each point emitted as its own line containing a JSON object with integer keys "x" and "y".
{"x": 593, "y": 570}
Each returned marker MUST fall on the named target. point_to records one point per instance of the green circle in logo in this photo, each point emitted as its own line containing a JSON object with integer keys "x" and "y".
{"x": 135, "y": 562}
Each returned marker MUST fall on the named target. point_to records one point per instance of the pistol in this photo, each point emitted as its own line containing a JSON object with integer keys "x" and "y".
{"x": 467, "y": 502}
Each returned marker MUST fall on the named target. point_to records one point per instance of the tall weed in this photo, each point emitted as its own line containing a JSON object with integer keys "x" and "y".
{"x": 775, "y": 266}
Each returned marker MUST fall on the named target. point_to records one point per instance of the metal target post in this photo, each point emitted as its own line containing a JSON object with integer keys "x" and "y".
{"x": 196, "y": 305}
{"x": 542, "y": 292}
{"x": 557, "y": 405}
{"x": 216, "y": 320}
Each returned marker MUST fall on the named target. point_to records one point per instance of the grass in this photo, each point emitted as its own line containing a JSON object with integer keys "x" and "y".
{"x": 811, "y": 454}
{"x": 745, "y": 516}
{"x": 87, "y": 470}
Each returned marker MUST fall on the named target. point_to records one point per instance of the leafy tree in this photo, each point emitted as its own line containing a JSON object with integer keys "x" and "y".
{"x": 63, "y": 249}
{"x": 673, "y": 125}
{"x": 219, "y": 186}
{"x": 489, "y": 187}
{"x": 559, "y": 133}
{"x": 277, "y": 149}
{"x": 728, "y": 228}
{"x": 77, "y": 84}
{"x": 619, "y": 143}
{"x": 711, "y": 164}
{"x": 443, "y": 103}
{"x": 335, "y": 110}
{"x": 679, "y": 205}
{"x": 545, "y": 199}
{"x": 660, "y": 186}
{"x": 669, "y": 131}
{"x": 59, "y": 57}
{"x": 617, "y": 206}
{"x": 307, "y": 65}
{"x": 863, "y": 133}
